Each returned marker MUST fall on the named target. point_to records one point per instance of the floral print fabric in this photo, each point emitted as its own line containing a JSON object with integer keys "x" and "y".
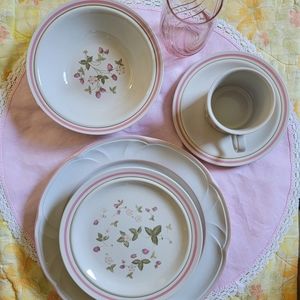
{"x": 273, "y": 26}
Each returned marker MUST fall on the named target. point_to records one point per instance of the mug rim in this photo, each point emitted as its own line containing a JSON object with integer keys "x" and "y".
{"x": 218, "y": 125}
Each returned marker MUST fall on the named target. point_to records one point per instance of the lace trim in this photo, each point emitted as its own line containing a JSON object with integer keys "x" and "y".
{"x": 6, "y": 92}
{"x": 236, "y": 37}
{"x": 14, "y": 78}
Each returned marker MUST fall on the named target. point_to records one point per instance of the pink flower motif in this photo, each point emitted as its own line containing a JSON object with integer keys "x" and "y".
{"x": 118, "y": 212}
{"x": 106, "y": 51}
{"x": 122, "y": 267}
{"x": 3, "y": 34}
{"x": 96, "y": 222}
{"x": 114, "y": 77}
{"x": 98, "y": 94}
{"x": 133, "y": 255}
{"x": 145, "y": 251}
{"x": 110, "y": 67}
{"x": 96, "y": 249}
{"x": 157, "y": 264}
{"x": 76, "y": 75}
{"x": 100, "y": 49}
{"x": 102, "y": 90}
{"x": 147, "y": 209}
{"x": 295, "y": 17}
{"x": 81, "y": 80}
{"x": 154, "y": 208}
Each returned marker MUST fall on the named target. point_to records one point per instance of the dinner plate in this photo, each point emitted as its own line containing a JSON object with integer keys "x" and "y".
{"x": 199, "y": 136}
{"x": 137, "y": 152}
{"x": 130, "y": 233}
{"x": 83, "y": 66}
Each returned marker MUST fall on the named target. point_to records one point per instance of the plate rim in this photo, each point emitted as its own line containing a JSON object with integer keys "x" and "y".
{"x": 238, "y": 161}
{"x": 42, "y": 102}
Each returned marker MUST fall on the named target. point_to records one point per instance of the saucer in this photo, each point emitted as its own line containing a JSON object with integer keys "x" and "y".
{"x": 200, "y": 137}
{"x": 83, "y": 66}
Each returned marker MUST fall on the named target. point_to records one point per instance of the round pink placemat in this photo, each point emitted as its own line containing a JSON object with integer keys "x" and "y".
{"x": 32, "y": 147}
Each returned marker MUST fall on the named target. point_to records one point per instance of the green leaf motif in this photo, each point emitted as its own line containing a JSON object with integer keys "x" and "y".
{"x": 146, "y": 261}
{"x": 87, "y": 66}
{"x": 81, "y": 70}
{"x": 157, "y": 230}
{"x": 139, "y": 229}
{"x": 130, "y": 275}
{"x": 135, "y": 262}
{"x": 135, "y": 236}
{"x": 149, "y": 231}
{"x": 141, "y": 266}
{"x": 119, "y": 62}
{"x": 122, "y": 233}
{"x": 102, "y": 237}
{"x": 89, "y": 58}
{"x": 120, "y": 239}
{"x": 139, "y": 208}
{"x": 132, "y": 230}
{"x": 111, "y": 268}
{"x": 154, "y": 240}
{"x": 153, "y": 233}
{"x": 113, "y": 89}
{"x": 115, "y": 223}
{"x": 83, "y": 62}
{"x": 126, "y": 244}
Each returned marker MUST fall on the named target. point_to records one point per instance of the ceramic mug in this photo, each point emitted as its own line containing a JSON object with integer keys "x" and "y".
{"x": 240, "y": 102}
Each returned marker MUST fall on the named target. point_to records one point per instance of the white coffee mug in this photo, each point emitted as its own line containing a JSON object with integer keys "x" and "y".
{"x": 240, "y": 102}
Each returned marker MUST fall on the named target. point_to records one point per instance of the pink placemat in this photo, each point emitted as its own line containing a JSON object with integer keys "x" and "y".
{"x": 32, "y": 147}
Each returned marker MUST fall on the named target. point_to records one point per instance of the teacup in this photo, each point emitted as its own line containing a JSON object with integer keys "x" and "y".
{"x": 240, "y": 102}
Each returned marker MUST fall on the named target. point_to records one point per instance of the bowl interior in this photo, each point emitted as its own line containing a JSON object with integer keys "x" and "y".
{"x": 95, "y": 66}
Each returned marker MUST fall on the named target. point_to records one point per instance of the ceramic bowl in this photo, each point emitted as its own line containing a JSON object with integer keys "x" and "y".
{"x": 94, "y": 66}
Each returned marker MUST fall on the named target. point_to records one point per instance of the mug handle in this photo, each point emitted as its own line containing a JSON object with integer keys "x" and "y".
{"x": 238, "y": 143}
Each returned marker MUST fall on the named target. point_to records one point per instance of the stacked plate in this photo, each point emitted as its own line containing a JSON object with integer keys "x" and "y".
{"x": 122, "y": 220}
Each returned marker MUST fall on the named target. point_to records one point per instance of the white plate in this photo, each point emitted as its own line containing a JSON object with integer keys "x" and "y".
{"x": 105, "y": 235}
{"x": 83, "y": 66}
{"x": 199, "y": 136}
{"x": 148, "y": 154}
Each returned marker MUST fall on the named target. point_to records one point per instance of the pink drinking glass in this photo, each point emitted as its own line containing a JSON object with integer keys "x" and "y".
{"x": 187, "y": 24}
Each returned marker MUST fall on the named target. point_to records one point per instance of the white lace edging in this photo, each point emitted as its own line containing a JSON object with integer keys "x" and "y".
{"x": 6, "y": 91}
{"x": 294, "y": 130}
{"x": 293, "y": 202}
{"x": 245, "y": 45}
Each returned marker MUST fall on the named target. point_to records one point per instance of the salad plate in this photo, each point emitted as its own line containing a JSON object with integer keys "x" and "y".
{"x": 130, "y": 233}
{"x": 146, "y": 154}
{"x": 83, "y": 66}
{"x": 200, "y": 137}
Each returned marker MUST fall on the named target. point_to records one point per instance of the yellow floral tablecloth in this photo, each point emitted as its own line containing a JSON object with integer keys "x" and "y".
{"x": 273, "y": 26}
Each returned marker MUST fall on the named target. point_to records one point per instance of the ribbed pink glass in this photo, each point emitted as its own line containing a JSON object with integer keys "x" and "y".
{"x": 187, "y": 24}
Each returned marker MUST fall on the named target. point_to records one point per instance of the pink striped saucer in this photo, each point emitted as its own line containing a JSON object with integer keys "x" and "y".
{"x": 200, "y": 137}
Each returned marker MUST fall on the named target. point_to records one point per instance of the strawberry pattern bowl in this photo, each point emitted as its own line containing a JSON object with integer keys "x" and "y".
{"x": 91, "y": 52}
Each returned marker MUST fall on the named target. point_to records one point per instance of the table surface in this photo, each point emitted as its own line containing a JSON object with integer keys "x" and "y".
{"x": 273, "y": 28}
